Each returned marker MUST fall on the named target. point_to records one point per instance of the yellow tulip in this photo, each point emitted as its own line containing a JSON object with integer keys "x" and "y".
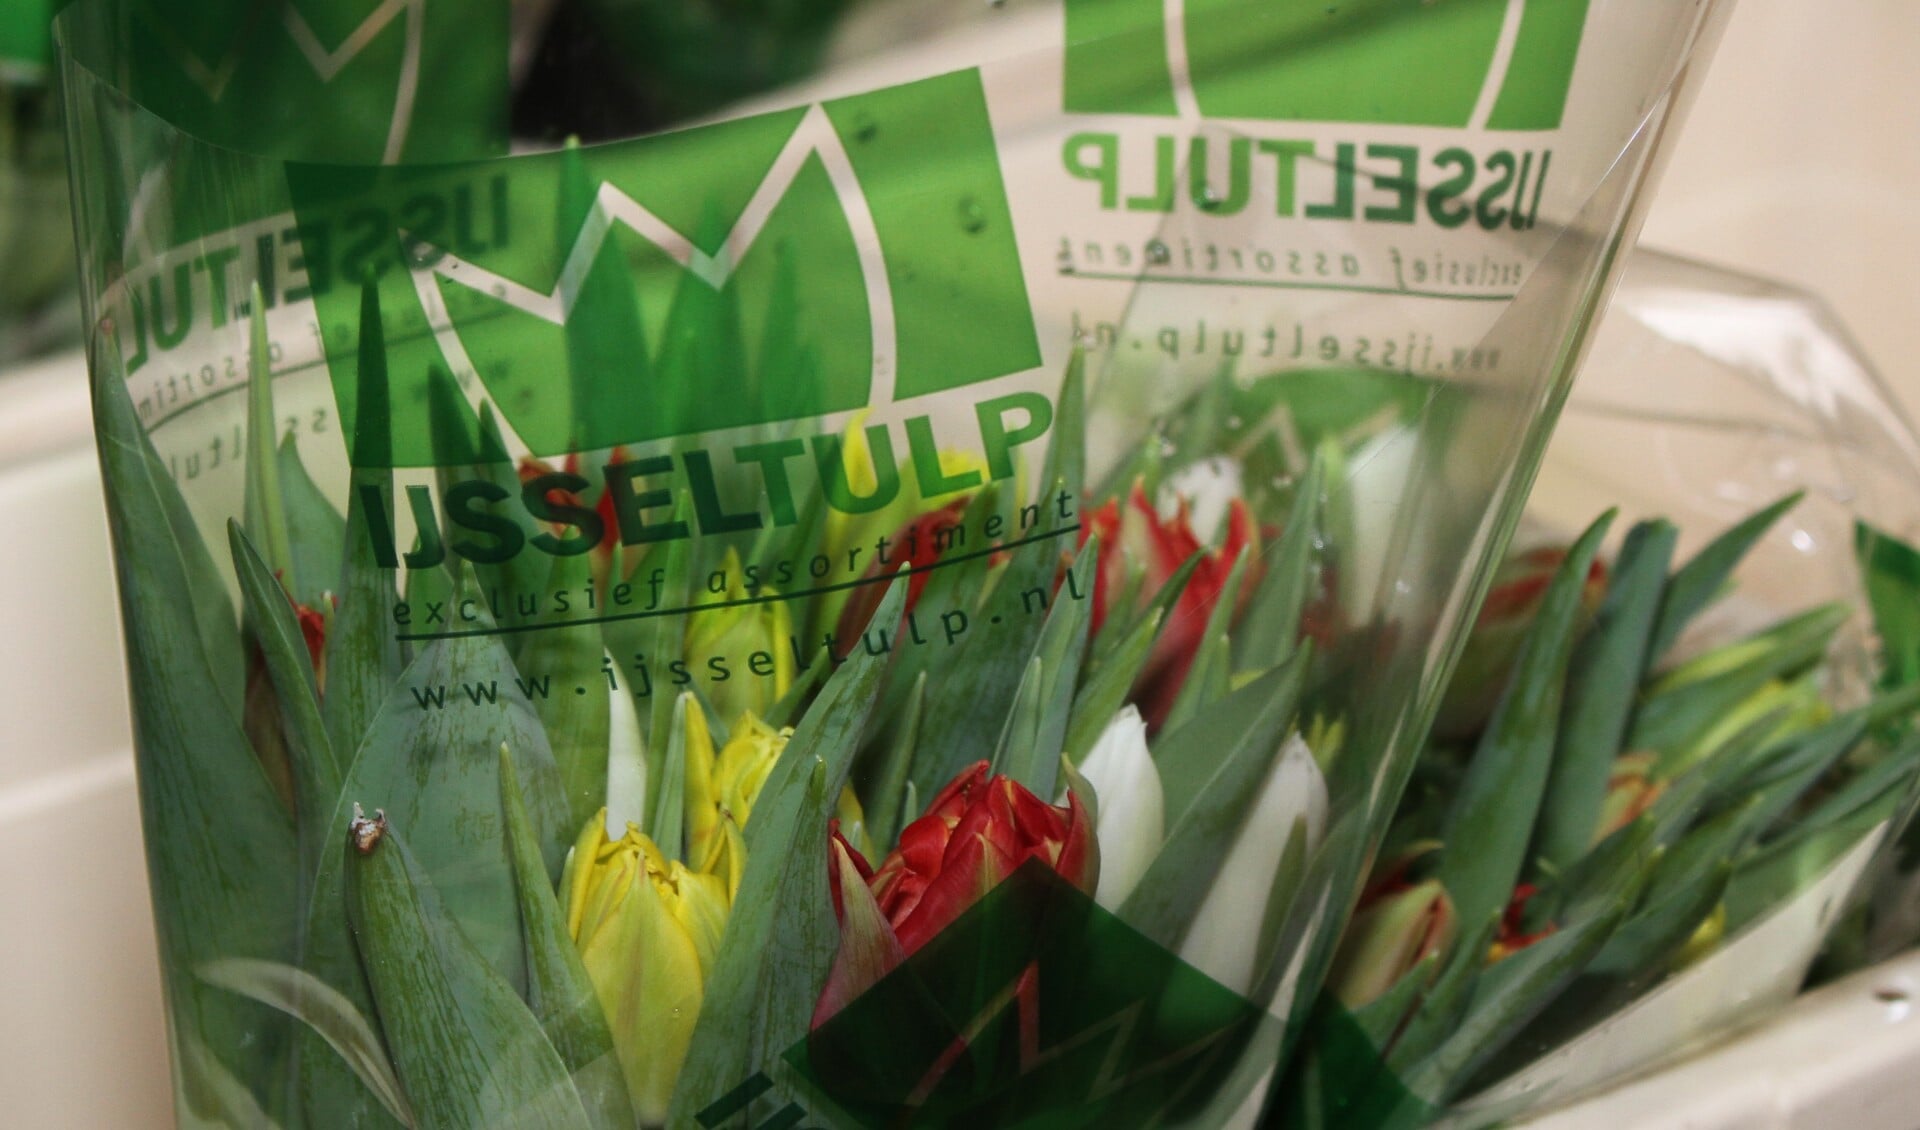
{"x": 754, "y": 641}
{"x": 722, "y": 787}
{"x": 648, "y": 930}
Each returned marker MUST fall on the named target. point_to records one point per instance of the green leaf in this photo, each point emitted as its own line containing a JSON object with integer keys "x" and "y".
{"x": 1509, "y": 995}
{"x": 1383, "y": 1017}
{"x": 1271, "y": 628}
{"x": 574, "y": 713}
{"x": 468, "y": 1051}
{"x": 363, "y": 657}
{"x": 559, "y": 992}
{"x": 967, "y": 704}
{"x": 1209, "y": 678}
{"x": 1211, "y": 770}
{"x": 316, "y": 533}
{"x": 1035, "y": 760}
{"x": 265, "y": 505}
{"x": 668, "y": 791}
{"x": 788, "y": 710}
{"x": 1704, "y": 577}
{"x": 884, "y": 803}
{"x": 660, "y": 639}
{"x": 1688, "y": 707}
{"x": 221, "y": 855}
{"x": 781, "y": 937}
{"x": 431, "y": 760}
{"x": 1891, "y": 570}
{"x": 1491, "y": 821}
{"x": 1606, "y": 671}
{"x": 325, "y": 1011}
{"x": 1640, "y": 952}
{"x": 1443, "y": 1005}
{"x": 1105, "y": 691}
{"x": 316, "y": 772}
{"x": 1021, "y": 730}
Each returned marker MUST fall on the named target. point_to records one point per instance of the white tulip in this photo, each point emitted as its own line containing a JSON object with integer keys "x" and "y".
{"x": 1208, "y": 487}
{"x": 1133, "y": 810}
{"x": 626, "y": 765}
{"x": 1223, "y": 940}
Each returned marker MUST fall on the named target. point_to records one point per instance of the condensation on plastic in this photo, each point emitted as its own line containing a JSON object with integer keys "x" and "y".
{"x": 1435, "y": 480}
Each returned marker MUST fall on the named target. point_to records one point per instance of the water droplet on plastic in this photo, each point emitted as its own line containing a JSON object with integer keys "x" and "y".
{"x": 1210, "y": 199}
{"x": 996, "y": 3}
{"x": 1234, "y": 423}
{"x": 1167, "y": 448}
{"x": 1158, "y": 254}
{"x": 865, "y": 128}
{"x": 1803, "y": 541}
{"x": 973, "y": 218}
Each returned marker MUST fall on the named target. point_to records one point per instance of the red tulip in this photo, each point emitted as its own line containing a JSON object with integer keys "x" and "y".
{"x": 978, "y": 831}
{"x": 1161, "y": 546}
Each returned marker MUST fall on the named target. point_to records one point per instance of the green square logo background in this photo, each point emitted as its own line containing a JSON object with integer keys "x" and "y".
{"x": 1398, "y": 62}
{"x": 638, "y": 344}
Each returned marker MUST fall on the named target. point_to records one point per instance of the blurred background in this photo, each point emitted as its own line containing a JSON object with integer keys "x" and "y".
{"x": 1795, "y": 164}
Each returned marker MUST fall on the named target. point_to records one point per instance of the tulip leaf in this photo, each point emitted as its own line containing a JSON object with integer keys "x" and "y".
{"x": 1640, "y": 951}
{"x": 781, "y": 936}
{"x": 1696, "y": 584}
{"x": 1509, "y": 995}
{"x": 1491, "y": 820}
{"x": 1783, "y": 869}
{"x": 316, "y": 772}
{"x": 790, "y": 706}
{"x": 951, "y": 596}
{"x": 1383, "y": 1017}
{"x": 363, "y": 654}
{"x": 202, "y": 587}
{"x": 559, "y": 992}
{"x": 565, "y": 656}
{"x": 1210, "y": 675}
{"x": 1211, "y": 773}
{"x": 1065, "y": 470}
{"x": 324, "y": 1010}
{"x": 466, "y": 1048}
{"x": 1268, "y": 633}
{"x": 1445, "y": 1002}
{"x": 668, "y": 791}
{"x": 265, "y": 505}
{"x": 1606, "y": 671}
{"x": 1033, "y": 758}
{"x": 316, "y": 532}
{"x": 660, "y": 638}
{"x": 431, "y": 760}
{"x": 966, "y": 706}
{"x": 210, "y": 1096}
{"x": 884, "y": 804}
{"x": 1890, "y": 569}
{"x": 221, "y": 854}
{"x": 1020, "y": 732}
{"x": 1681, "y": 711}
{"x": 1105, "y": 690}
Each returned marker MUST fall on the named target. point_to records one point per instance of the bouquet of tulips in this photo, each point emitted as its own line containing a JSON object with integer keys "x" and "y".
{"x": 1015, "y": 824}
{"x": 1599, "y": 816}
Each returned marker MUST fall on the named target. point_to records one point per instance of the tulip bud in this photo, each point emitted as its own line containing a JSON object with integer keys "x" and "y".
{"x": 1223, "y": 940}
{"x": 648, "y": 931}
{"x": 1136, "y": 535}
{"x": 1132, "y": 817}
{"x": 749, "y": 638}
{"x": 721, "y": 789}
{"x": 1390, "y": 938}
{"x": 1519, "y": 586}
{"x": 977, "y": 831}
